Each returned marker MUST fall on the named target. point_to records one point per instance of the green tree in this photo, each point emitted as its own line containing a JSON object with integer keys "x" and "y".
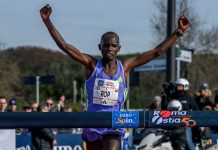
{"x": 203, "y": 39}
{"x": 9, "y": 75}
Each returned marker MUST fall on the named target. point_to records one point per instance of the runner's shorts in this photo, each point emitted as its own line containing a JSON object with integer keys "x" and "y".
{"x": 93, "y": 134}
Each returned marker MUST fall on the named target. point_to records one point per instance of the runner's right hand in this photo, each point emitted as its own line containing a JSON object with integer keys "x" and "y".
{"x": 45, "y": 12}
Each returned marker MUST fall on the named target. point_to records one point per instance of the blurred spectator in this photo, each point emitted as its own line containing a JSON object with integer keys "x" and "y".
{"x": 67, "y": 130}
{"x": 204, "y": 96}
{"x": 42, "y": 138}
{"x": 50, "y": 104}
{"x": 68, "y": 109}
{"x": 202, "y": 135}
{"x": 60, "y": 105}
{"x": 156, "y": 104}
{"x": 3, "y": 104}
{"x": 214, "y": 129}
{"x": 215, "y": 107}
{"x": 182, "y": 95}
{"x": 178, "y": 136}
{"x": 27, "y": 108}
{"x": 35, "y": 107}
{"x": 12, "y": 105}
{"x": 43, "y": 108}
{"x": 84, "y": 107}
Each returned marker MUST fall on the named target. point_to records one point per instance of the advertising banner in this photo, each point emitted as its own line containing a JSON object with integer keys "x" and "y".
{"x": 125, "y": 119}
{"x": 7, "y": 139}
{"x": 65, "y": 142}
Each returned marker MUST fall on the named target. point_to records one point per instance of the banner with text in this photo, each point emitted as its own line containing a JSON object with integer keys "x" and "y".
{"x": 154, "y": 65}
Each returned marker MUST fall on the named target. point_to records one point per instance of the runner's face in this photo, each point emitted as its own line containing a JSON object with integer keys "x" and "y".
{"x": 109, "y": 47}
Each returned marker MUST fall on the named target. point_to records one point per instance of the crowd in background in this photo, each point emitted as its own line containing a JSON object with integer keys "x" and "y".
{"x": 41, "y": 138}
{"x": 202, "y": 100}
{"x": 11, "y": 105}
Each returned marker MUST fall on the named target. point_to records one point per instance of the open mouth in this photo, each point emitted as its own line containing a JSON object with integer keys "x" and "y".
{"x": 109, "y": 54}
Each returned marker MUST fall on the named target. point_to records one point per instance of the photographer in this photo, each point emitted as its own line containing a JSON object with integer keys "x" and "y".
{"x": 179, "y": 91}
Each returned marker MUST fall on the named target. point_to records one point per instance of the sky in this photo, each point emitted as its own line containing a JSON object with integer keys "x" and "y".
{"x": 82, "y": 22}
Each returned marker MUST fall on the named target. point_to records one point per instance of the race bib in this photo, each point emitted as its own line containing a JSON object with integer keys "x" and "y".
{"x": 105, "y": 92}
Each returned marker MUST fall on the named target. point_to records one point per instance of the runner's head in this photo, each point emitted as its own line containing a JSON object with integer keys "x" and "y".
{"x": 109, "y": 45}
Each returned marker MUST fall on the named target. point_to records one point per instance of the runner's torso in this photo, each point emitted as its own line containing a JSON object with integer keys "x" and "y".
{"x": 104, "y": 92}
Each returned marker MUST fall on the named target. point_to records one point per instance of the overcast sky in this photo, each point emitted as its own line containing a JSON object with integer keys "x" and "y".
{"x": 82, "y": 22}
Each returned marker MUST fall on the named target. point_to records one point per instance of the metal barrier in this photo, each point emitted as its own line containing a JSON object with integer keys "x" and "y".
{"x": 129, "y": 119}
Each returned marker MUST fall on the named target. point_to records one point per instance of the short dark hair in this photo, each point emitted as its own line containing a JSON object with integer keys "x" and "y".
{"x": 27, "y": 107}
{"x": 1, "y": 97}
{"x": 110, "y": 33}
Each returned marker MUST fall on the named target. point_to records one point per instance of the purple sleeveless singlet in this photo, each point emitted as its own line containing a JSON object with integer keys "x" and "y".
{"x": 104, "y": 93}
